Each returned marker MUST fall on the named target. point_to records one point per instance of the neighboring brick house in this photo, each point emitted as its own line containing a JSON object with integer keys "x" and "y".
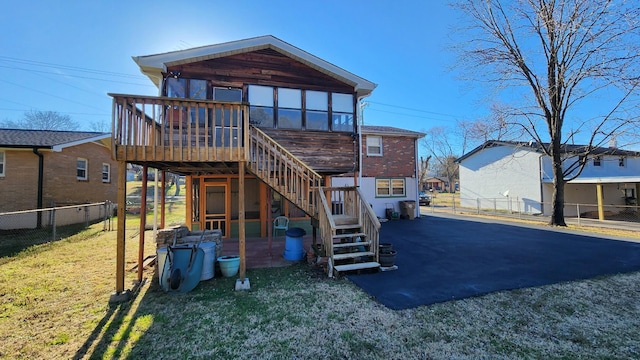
{"x": 43, "y": 168}
{"x": 389, "y": 167}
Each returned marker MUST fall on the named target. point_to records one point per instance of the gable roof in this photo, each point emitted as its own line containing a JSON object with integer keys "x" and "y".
{"x": 154, "y": 65}
{"x": 47, "y": 139}
{"x": 537, "y": 147}
{"x": 389, "y": 130}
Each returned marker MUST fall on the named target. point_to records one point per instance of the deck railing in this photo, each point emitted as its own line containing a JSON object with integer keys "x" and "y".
{"x": 283, "y": 172}
{"x": 151, "y": 128}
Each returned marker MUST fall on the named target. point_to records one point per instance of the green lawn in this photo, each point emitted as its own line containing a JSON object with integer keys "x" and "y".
{"x": 54, "y": 305}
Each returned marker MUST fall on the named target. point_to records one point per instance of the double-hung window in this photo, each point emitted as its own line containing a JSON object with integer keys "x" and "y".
{"x": 374, "y": 145}
{"x": 81, "y": 169}
{"x": 390, "y": 187}
{"x": 106, "y": 173}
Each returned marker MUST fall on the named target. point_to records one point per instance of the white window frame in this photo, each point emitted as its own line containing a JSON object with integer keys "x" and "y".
{"x": 371, "y": 146}
{"x": 107, "y": 167}
{"x": 86, "y": 169}
{"x": 3, "y": 163}
{"x": 391, "y": 187}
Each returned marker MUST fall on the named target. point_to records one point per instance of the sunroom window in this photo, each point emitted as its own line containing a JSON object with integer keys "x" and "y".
{"x": 342, "y": 112}
{"x": 317, "y": 110}
{"x": 261, "y": 109}
{"x": 289, "y": 108}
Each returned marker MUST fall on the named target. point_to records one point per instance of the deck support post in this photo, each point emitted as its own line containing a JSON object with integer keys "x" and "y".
{"x": 120, "y": 294}
{"x": 143, "y": 220}
{"x": 243, "y": 282}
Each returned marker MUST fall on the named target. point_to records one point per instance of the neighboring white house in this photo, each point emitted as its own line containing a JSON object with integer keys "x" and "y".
{"x": 389, "y": 175}
{"x": 521, "y": 171}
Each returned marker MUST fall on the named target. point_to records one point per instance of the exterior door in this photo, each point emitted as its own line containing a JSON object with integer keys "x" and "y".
{"x": 215, "y": 208}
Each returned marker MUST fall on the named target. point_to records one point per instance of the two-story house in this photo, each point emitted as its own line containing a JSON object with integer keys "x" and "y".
{"x": 521, "y": 170}
{"x": 258, "y": 127}
{"x": 45, "y": 168}
{"x": 389, "y": 168}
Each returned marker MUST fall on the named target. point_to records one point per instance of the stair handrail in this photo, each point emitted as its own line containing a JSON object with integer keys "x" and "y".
{"x": 370, "y": 223}
{"x": 326, "y": 223}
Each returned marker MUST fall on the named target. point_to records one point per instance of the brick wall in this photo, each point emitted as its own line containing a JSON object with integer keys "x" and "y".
{"x": 60, "y": 184}
{"x": 19, "y": 186}
{"x": 397, "y": 160}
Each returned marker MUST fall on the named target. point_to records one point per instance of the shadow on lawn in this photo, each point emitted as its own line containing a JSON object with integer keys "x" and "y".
{"x": 147, "y": 324}
{"x": 117, "y": 323}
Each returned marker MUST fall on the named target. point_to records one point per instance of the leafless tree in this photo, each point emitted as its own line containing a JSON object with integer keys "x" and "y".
{"x": 100, "y": 126}
{"x": 424, "y": 170}
{"x": 42, "y": 120}
{"x": 556, "y": 55}
{"x": 439, "y": 142}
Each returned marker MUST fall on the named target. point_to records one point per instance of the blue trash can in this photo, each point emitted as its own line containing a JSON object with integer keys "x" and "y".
{"x": 293, "y": 244}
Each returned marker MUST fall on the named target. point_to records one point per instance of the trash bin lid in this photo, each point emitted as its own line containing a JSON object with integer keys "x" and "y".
{"x": 295, "y": 232}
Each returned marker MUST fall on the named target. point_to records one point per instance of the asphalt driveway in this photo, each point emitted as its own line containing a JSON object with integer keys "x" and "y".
{"x": 443, "y": 258}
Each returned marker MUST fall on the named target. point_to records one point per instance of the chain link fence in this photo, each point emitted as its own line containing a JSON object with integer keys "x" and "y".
{"x": 20, "y": 229}
{"x": 517, "y": 207}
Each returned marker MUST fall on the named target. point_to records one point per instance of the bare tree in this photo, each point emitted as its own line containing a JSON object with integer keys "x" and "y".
{"x": 424, "y": 171}
{"x": 42, "y": 120}
{"x": 100, "y": 126}
{"x": 439, "y": 142}
{"x": 557, "y": 54}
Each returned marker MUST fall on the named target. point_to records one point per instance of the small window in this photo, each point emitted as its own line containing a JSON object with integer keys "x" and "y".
{"x": 621, "y": 162}
{"x": 390, "y": 188}
{"x": 81, "y": 169}
{"x": 106, "y": 173}
{"x": 374, "y": 145}
{"x": 597, "y": 161}
{"x": 2, "y": 164}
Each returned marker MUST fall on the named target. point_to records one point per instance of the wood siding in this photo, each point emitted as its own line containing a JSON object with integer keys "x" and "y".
{"x": 263, "y": 67}
{"x": 324, "y": 152}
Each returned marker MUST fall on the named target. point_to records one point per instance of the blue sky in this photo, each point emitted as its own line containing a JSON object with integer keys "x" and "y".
{"x": 65, "y": 56}
{"x": 401, "y": 46}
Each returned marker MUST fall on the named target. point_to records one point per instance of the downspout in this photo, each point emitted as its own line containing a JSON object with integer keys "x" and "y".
{"x": 40, "y": 184}
{"x": 361, "y": 106}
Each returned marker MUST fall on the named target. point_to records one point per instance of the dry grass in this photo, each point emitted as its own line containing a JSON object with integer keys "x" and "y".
{"x": 53, "y": 305}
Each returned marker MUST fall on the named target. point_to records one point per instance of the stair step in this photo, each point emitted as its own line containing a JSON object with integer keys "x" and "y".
{"x": 347, "y": 227}
{"x": 345, "y": 220}
{"x": 352, "y": 255}
{"x": 358, "y": 266}
{"x": 348, "y": 235}
{"x": 351, "y": 244}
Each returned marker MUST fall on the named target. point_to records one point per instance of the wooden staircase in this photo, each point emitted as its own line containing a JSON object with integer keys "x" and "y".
{"x": 349, "y": 232}
{"x": 352, "y": 249}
